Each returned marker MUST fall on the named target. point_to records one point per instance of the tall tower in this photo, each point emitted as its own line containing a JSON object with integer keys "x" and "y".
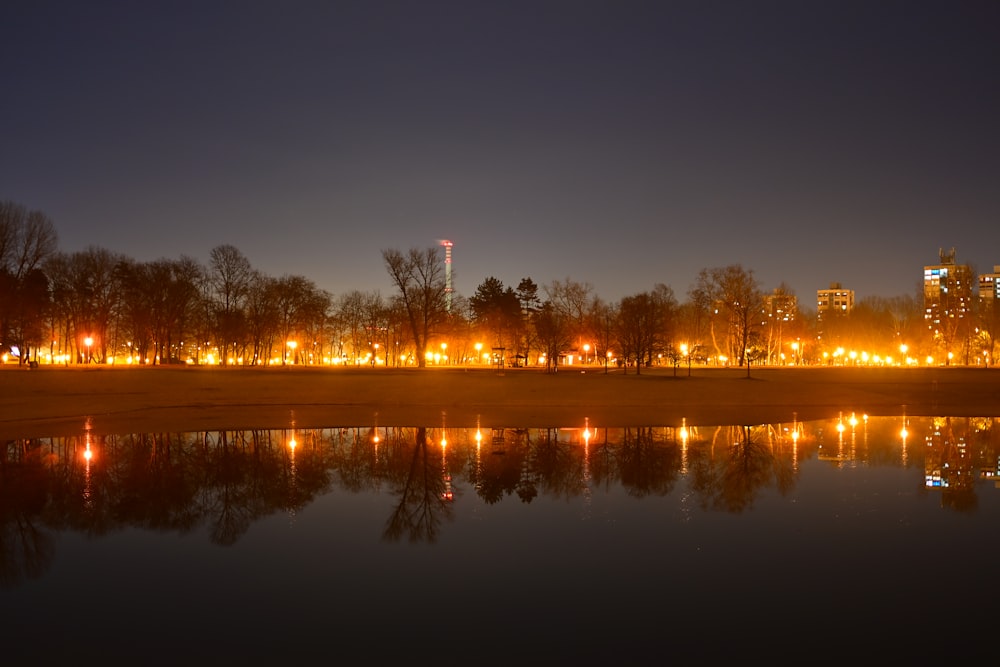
{"x": 447, "y": 274}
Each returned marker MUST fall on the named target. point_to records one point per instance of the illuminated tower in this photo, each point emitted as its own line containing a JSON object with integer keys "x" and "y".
{"x": 447, "y": 273}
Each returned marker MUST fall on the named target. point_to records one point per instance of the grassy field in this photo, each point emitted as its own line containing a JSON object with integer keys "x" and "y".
{"x": 64, "y": 400}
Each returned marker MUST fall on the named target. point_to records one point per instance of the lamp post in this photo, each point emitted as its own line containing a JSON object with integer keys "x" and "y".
{"x": 586, "y": 352}
{"x": 687, "y": 353}
{"x": 88, "y": 341}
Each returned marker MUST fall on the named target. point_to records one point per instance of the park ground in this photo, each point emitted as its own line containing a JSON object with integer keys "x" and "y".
{"x": 54, "y": 401}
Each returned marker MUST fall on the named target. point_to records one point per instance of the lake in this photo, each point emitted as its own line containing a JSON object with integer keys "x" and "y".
{"x": 798, "y": 542}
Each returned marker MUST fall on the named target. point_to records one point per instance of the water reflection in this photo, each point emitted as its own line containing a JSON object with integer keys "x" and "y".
{"x": 223, "y": 482}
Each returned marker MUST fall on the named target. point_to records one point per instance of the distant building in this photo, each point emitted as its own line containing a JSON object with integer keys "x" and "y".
{"x": 780, "y": 306}
{"x": 835, "y": 300}
{"x": 947, "y": 290}
{"x": 989, "y": 286}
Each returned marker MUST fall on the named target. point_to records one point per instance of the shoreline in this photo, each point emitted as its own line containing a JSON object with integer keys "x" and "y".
{"x": 58, "y": 401}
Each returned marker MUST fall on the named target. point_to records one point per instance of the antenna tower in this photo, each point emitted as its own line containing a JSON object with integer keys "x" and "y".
{"x": 447, "y": 273}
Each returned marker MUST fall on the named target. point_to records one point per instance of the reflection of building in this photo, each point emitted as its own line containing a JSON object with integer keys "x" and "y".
{"x": 947, "y": 463}
{"x": 947, "y": 290}
{"x": 835, "y": 300}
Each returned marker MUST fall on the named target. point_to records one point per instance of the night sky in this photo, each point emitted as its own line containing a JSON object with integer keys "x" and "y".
{"x": 620, "y": 144}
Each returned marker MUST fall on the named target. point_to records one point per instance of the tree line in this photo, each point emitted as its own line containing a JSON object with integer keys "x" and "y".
{"x": 95, "y": 305}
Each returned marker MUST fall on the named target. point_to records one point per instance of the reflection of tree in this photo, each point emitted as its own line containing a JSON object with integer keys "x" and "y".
{"x": 420, "y": 506}
{"x": 222, "y": 483}
{"x": 647, "y": 466}
{"x": 731, "y": 481}
{"x": 26, "y": 551}
{"x": 558, "y": 467}
{"x": 527, "y": 486}
{"x": 155, "y": 489}
{"x": 502, "y": 471}
{"x": 231, "y": 508}
{"x": 784, "y": 462}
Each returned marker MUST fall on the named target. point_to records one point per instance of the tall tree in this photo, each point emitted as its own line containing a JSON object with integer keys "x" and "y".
{"x": 230, "y": 277}
{"x": 27, "y": 240}
{"x": 497, "y": 310}
{"x": 419, "y": 276}
{"x": 643, "y": 320}
{"x": 553, "y": 330}
{"x": 734, "y": 292}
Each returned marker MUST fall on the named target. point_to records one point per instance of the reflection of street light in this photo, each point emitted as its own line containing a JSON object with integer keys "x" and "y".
{"x": 88, "y": 341}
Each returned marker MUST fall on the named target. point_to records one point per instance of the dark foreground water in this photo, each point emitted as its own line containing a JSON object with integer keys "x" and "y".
{"x": 797, "y": 543}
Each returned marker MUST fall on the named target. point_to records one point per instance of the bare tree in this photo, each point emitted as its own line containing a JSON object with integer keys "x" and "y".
{"x": 553, "y": 334}
{"x": 297, "y": 303}
{"x": 419, "y": 276}
{"x": 351, "y": 316}
{"x": 230, "y": 278}
{"x": 86, "y": 293}
{"x": 605, "y": 319}
{"x": 572, "y": 300}
{"x": 644, "y": 325}
{"x": 27, "y": 239}
{"x": 733, "y": 292}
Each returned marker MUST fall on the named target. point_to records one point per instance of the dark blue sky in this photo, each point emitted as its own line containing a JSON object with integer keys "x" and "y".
{"x": 620, "y": 144}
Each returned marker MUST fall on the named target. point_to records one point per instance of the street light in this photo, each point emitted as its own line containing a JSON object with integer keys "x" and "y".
{"x": 687, "y": 353}
{"x": 479, "y": 353}
{"x": 586, "y": 352}
{"x": 88, "y": 341}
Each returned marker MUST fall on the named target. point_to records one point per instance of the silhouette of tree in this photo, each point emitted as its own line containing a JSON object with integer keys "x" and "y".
{"x": 496, "y": 309}
{"x": 230, "y": 278}
{"x": 419, "y": 277}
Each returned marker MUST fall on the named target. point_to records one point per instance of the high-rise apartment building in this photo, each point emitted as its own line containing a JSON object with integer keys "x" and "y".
{"x": 947, "y": 290}
{"x": 780, "y": 306}
{"x": 834, "y": 300}
{"x": 989, "y": 286}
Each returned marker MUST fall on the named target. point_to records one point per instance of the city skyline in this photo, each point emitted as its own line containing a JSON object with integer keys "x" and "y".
{"x": 615, "y": 144}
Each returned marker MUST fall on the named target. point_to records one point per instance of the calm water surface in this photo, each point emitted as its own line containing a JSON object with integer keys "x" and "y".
{"x": 796, "y": 543}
